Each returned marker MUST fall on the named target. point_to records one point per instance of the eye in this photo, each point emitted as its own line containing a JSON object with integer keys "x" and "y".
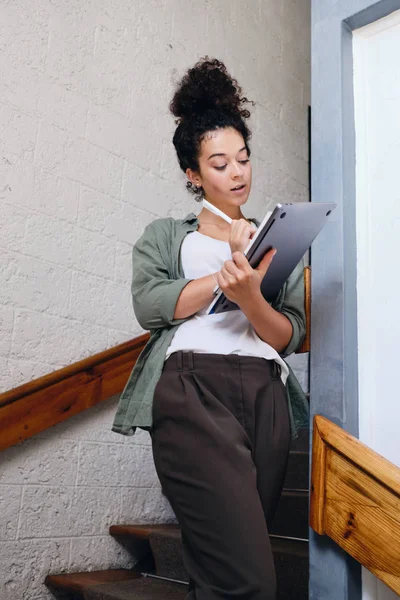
{"x": 244, "y": 161}
{"x": 220, "y": 168}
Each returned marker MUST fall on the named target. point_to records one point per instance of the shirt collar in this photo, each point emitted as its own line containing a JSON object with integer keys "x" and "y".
{"x": 190, "y": 218}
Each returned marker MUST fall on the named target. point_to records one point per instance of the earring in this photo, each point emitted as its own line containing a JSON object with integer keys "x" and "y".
{"x": 199, "y": 192}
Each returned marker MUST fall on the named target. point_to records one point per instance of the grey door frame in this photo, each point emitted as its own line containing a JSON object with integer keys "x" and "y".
{"x": 334, "y": 575}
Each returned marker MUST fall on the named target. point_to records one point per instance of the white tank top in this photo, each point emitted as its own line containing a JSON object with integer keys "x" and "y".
{"x": 225, "y": 333}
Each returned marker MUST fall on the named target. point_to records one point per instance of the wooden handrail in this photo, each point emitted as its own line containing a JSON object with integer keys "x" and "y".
{"x": 355, "y": 500}
{"x": 305, "y": 346}
{"x": 83, "y": 365}
{"x": 39, "y": 404}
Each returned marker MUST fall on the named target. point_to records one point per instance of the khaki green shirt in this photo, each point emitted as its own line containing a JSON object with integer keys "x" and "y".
{"x": 157, "y": 282}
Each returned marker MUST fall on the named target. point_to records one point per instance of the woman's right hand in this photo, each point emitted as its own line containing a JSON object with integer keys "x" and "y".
{"x": 240, "y": 235}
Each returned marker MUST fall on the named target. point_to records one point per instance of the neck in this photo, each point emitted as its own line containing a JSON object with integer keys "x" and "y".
{"x": 207, "y": 217}
{"x": 234, "y": 212}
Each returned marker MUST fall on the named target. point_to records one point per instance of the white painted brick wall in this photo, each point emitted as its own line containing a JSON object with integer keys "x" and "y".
{"x": 86, "y": 161}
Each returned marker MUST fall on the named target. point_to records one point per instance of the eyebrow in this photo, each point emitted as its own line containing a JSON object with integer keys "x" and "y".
{"x": 222, "y": 154}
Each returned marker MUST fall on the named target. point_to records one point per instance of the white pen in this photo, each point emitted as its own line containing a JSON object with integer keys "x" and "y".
{"x": 221, "y": 214}
{"x": 216, "y": 211}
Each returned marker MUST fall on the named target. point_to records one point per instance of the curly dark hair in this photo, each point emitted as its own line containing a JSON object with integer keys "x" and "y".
{"x": 207, "y": 98}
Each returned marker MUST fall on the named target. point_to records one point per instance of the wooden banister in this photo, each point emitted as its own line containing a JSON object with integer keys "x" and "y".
{"x": 355, "y": 500}
{"x": 39, "y": 404}
{"x": 305, "y": 346}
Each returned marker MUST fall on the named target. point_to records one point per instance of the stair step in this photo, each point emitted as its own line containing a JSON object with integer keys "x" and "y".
{"x": 142, "y": 531}
{"x": 291, "y": 518}
{"x": 77, "y": 583}
{"x": 144, "y": 588}
{"x": 291, "y": 557}
{"x": 297, "y": 474}
{"x": 114, "y": 584}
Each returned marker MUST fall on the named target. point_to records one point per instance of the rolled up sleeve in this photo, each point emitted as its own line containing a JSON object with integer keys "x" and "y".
{"x": 154, "y": 293}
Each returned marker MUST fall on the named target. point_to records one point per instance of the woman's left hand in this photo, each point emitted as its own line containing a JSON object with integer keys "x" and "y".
{"x": 239, "y": 281}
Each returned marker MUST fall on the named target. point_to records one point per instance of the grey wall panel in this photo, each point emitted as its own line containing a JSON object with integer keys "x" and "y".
{"x": 333, "y": 361}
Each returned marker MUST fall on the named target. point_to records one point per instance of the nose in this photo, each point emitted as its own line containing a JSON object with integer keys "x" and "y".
{"x": 237, "y": 170}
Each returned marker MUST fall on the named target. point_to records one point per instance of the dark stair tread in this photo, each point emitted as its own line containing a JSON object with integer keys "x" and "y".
{"x": 173, "y": 531}
{"x": 144, "y": 588}
{"x": 115, "y": 584}
{"x": 295, "y": 493}
{"x": 299, "y": 453}
{"x": 78, "y": 582}
{"x": 289, "y": 547}
{"x": 143, "y": 531}
{"x": 291, "y": 520}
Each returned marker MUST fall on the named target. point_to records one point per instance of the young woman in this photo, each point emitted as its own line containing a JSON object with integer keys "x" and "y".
{"x": 213, "y": 390}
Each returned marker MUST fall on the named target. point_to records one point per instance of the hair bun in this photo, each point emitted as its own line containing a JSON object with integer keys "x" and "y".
{"x": 207, "y": 87}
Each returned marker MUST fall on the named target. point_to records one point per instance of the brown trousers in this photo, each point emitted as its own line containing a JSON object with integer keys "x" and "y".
{"x": 221, "y": 438}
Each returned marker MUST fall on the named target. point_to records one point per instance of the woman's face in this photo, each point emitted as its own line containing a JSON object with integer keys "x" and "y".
{"x": 225, "y": 169}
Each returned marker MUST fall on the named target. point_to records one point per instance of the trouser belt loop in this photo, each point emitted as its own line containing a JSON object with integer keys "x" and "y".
{"x": 179, "y": 360}
{"x": 190, "y": 361}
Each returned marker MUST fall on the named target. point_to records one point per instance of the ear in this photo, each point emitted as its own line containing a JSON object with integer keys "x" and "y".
{"x": 193, "y": 177}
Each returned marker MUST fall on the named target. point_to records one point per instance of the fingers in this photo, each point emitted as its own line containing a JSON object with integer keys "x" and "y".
{"x": 241, "y": 227}
{"x": 236, "y": 270}
{"x": 239, "y": 264}
{"x": 224, "y": 281}
{"x": 229, "y": 271}
{"x": 240, "y": 234}
{"x": 266, "y": 262}
{"x": 241, "y": 261}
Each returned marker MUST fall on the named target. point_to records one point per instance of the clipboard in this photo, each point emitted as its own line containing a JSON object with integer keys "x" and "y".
{"x": 291, "y": 229}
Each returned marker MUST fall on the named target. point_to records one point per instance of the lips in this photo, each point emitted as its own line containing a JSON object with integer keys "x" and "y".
{"x": 238, "y": 187}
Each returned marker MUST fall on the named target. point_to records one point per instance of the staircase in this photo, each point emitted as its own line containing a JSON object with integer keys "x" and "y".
{"x": 160, "y": 546}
